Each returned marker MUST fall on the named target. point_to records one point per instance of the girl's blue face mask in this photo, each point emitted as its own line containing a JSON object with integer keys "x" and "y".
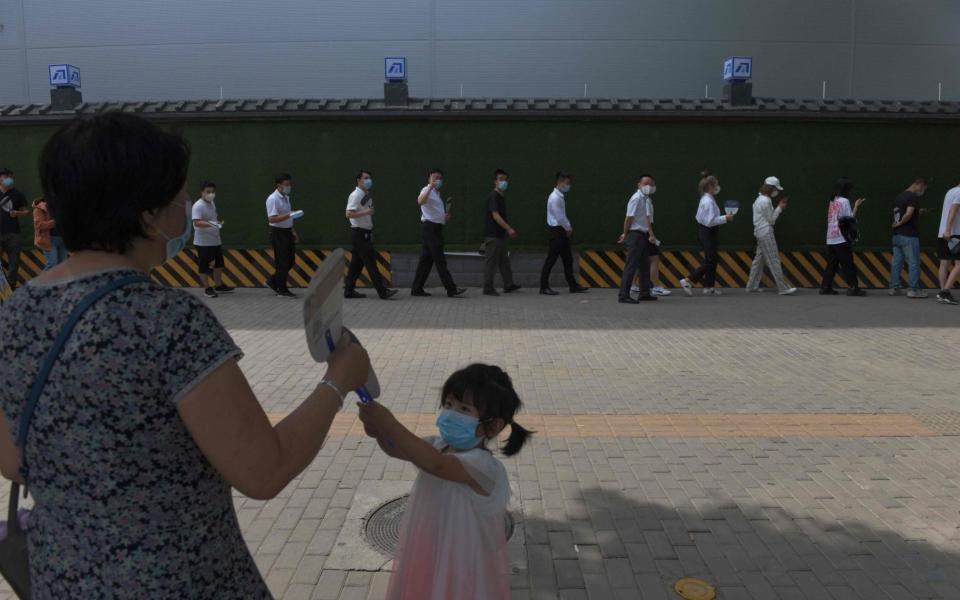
{"x": 458, "y": 430}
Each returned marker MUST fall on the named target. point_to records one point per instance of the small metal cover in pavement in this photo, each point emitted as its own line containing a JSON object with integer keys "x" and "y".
{"x": 695, "y": 589}
{"x": 381, "y": 528}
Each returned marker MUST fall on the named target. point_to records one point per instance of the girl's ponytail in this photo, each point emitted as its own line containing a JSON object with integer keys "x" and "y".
{"x": 518, "y": 437}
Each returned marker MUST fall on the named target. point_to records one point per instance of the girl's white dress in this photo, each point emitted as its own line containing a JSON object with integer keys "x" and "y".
{"x": 452, "y": 539}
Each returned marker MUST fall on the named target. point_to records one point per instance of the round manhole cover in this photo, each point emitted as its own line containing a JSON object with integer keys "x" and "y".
{"x": 382, "y": 527}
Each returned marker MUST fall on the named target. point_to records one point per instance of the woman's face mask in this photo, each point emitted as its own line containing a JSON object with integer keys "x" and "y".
{"x": 176, "y": 244}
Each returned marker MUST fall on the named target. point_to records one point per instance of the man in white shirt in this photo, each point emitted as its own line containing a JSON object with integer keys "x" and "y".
{"x": 638, "y": 237}
{"x": 283, "y": 237}
{"x": 559, "y": 233}
{"x": 949, "y": 232}
{"x": 360, "y": 213}
{"x": 764, "y": 217}
{"x": 206, "y": 238}
{"x": 433, "y": 216}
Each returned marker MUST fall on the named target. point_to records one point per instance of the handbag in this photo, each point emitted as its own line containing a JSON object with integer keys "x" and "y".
{"x": 848, "y": 229}
{"x": 14, "y": 551}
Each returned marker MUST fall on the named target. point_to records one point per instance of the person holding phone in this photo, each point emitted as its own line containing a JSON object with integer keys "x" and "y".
{"x": 839, "y": 247}
{"x": 360, "y": 213}
{"x": 764, "y": 217}
{"x": 433, "y": 216}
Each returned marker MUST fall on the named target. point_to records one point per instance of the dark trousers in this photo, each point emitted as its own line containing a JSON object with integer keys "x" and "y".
{"x": 364, "y": 255}
{"x": 638, "y": 257}
{"x": 496, "y": 257}
{"x": 284, "y": 255}
{"x": 11, "y": 246}
{"x": 841, "y": 255}
{"x": 559, "y": 247}
{"x": 432, "y": 254}
{"x": 709, "y": 241}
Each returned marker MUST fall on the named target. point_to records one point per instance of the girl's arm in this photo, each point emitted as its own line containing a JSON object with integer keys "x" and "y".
{"x": 419, "y": 452}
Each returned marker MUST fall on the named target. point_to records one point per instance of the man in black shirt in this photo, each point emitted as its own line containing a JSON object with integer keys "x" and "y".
{"x": 906, "y": 238}
{"x": 495, "y": 231}
{"x": 13, "y": 205}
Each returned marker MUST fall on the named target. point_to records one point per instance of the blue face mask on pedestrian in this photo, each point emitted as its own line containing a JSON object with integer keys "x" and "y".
{"x": 458, "y": 430}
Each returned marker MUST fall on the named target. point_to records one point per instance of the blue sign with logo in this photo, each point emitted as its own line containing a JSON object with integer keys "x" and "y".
{"x": 395, "y": 68}
{"x": 64, "y": 75}
{"x": 738, "y": 68}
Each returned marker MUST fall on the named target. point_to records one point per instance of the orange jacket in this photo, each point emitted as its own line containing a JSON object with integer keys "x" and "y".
{"x": 42, "y": 224}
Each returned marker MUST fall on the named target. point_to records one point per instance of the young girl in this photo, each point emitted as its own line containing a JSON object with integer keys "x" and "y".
{"x": 452, "y": 539}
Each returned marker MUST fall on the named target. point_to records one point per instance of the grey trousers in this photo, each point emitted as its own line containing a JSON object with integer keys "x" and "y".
{"x": 496, "y": 257}
{"x": 769, "y": 254}
{"x": 11, "y": 246}
{"x": 638, "y": 258}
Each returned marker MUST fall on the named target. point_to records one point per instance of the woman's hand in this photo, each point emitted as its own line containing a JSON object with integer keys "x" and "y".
{"x": 348, "y": 365}
{"x": 729, "y": 218}
{"x": 782, "y": 205}
{"x": 859, "y": 202}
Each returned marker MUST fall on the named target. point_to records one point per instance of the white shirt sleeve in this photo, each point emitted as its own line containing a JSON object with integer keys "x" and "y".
{"x": 708, "y": 214}
{"x": 273, "y": 205}
{"x": 765, "y": 208}
{"x": 353, "y": 201}
{"x": 197, "y": 211}
{"x": 558, "y": 211}
{"x": 633, "y": 207}
{"x": 845, "y": 210}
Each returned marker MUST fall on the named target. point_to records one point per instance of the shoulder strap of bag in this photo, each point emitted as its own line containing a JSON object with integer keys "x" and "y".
{"x": 51, "y": 358}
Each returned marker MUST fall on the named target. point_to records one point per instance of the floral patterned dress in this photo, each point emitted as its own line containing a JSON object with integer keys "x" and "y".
{"x": 126, "y": 505}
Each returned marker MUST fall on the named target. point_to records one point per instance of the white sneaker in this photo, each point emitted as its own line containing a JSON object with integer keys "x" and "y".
{"x": 917, "y": 293}
{"x": 754, "y": 290}
{"x": 687, "y": 287}
{"x": 635, "y": 289}
{"x": 893, "y": 292}
{"x": 659, "y": 291}
{"x": 712, "y": 292}
{"x": 788, "y": 292}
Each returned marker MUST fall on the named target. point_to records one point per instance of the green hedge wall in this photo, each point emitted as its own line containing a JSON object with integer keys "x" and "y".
{"x": 604, "y": 157}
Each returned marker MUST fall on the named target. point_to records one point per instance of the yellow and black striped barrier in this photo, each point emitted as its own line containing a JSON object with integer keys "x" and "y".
{"x": 242, "y": 268}
{"x": 603, "y": 268}
{"x": 598, "y": 268}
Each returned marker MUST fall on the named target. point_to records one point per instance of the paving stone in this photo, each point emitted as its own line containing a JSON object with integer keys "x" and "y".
{"x": 757, "y": 499}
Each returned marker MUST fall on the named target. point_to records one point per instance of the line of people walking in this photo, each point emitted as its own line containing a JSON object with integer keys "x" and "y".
{"x": 641, "y": 269}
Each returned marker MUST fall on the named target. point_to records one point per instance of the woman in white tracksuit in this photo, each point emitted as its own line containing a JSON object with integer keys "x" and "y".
{"x": 764, "y": 217}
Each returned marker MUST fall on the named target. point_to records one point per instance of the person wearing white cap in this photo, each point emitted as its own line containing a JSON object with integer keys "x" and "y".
{"x": 764, "y": 217}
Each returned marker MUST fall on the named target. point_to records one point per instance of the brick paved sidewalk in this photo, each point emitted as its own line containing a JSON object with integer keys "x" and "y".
{"x": 780, "y": 448}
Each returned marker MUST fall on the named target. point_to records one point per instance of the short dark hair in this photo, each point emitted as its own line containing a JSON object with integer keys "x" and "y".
{"x": 639, "y": 179}
{"x": 281, "y": 177}
{"x": 208, "y": 184}
{"x": 500, "y": 172}
{"x": 100, "y": 174}
{"x": 432, "y": 171}
{"x": 363, "y": 172}
{"x": 562, "y": 175}
{"x": 920, "y": 180}
{"x": 5, "y": 171}
{"x": 842, "y": 188}
{"x": 489, "y": 389}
